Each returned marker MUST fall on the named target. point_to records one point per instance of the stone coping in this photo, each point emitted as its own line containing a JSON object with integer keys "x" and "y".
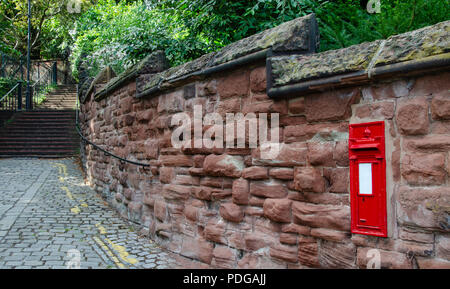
{"x": 292, "y": 62}
{"x": 296, "y": 36}
{"x": 411, "y": 46}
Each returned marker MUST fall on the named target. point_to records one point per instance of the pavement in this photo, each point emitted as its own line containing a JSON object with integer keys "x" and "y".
{"x": 50, "y": 219}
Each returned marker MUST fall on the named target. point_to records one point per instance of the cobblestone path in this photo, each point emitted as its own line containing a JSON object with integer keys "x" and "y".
{"x": 50, "y": 219}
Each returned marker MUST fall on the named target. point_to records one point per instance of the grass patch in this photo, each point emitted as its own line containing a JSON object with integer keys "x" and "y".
{"x": 42, "y": 94}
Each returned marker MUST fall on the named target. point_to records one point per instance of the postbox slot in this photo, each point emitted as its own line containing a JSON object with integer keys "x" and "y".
{"x": 365, "y": 146}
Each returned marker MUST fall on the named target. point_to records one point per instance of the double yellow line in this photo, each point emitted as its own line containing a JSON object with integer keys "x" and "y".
{"x": 120, "y": 250}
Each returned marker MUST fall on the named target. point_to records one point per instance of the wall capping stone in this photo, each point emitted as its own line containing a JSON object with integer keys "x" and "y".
{"x": 421, "y": 49}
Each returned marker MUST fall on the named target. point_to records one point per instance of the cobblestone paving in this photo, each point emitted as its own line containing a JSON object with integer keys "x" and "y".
{"x": 50, "y": 219}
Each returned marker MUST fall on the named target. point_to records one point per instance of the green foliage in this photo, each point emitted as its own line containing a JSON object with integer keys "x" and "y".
{"x": 41, "y": 95}
{"x": 121, "y": 32}
{"x": 6, "y": 84}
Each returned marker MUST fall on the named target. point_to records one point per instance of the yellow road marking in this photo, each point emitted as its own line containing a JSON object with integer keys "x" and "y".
{"x": 68, "y": 193}
{"x": 75, "y": 210}
{"x": 113, "y": 257}
{"x": 122, "y": 252}
{"x": 101, "y": 229}
{"x": 62, "y": 168}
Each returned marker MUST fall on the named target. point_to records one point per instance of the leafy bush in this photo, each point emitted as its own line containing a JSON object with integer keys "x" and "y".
{"x": 120, "y": 34}
{"x": 6, "y": 84}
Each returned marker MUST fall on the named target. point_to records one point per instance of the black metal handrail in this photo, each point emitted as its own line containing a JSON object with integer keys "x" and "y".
{"x": 43, "y": 82}
{"x": 10, "y": 102}
{"x": 100, "y": 148}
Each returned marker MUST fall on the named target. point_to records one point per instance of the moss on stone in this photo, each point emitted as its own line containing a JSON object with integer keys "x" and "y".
{"x": 296, "y": 68}
{"x": 425, "y": 42}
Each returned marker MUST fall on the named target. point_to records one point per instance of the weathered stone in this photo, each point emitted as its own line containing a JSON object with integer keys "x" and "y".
{"x": 284, "y": 252}
{"x": 176, "y": 160}
{"x": 166, "y": 174}
{"x": 268, "y": 190}
{"x": 255, "y": 241}
{"x": 333, "y": 105}
{"x": 424, "y": 207}
{"x": 308, "y": 253}
{"x": 234, "y": 85}
{"x": 255, "y": 173}
{"x": 322, "y": 216}
{"x": 290, "y": 155}
{"x": 215, "y": 232}
{"x": 428, "y": 263}
{"x": 223, "y": 165}
{"x": 176, "y": 192}
{"x": 298, "y": 68}
{"x": 337, "y": 255}
{"x": 240, "y": 192}
{"x": 321, "y": 154}
{"x": 417, "y": 44}
{"x": 297, "y": 105}
{"x": 282, "y": 173}
{"x": 295, "y": 35}
{"x": 440, "y": 107}
{"x": 297, "y": 229}
{"x": 340, "y": 153}
{"x": 258, "y": 260}
{"x": 191, "y": 212}
{"x": 388, "y": 259}
{"x": 411, "y": 235}
{"x": 377, "y": 110}
{"x": 202, "y": 193}
{"x": 206, "y": 88}
{"x": 339, "y": 180}
{"x": 424, "y": 169}
{"x": 412, "y": 117}
{"x": 224, "y": 257}
{"x": 172, "y": 102}
{"x": 309, "y": 179}
{"x": 316, "y": 132}
{"x": 258, "y": 79}
{"x": 160, "y": 210}
{"x": 231, "y": 212}
{"x": 430, "y": 143}
{"x": 197, "y": 249}
{"x": 278, "y": 210}
{"x": 442, "y": 246}
{"x": 330, "y": 235}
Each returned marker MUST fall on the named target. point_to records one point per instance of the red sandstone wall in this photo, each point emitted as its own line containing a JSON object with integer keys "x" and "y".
{"x": 291, "y": 212}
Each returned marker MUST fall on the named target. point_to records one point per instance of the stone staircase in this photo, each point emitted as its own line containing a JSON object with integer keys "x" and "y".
{"x": 46, "y": 132}
{"x": 64, "y": 97}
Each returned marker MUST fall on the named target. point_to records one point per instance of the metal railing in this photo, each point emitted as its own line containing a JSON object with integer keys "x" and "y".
{"x": 13, "y": 99}
{"x": 10, "y": 101}
{"x": 107, "y": 153}
{"x": 12, "y": 67}
{"x": 40, "y": 87}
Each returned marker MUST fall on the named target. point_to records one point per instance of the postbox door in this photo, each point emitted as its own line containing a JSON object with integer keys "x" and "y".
{"x": 368, "y": 179}
{"x": 368, "y": 195}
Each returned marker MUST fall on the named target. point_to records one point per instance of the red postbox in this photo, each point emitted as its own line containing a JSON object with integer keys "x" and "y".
{"x": 368, "y": 179}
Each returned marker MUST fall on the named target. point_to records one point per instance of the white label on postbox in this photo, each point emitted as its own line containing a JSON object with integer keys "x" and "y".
{"x": 365, "y": 179}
